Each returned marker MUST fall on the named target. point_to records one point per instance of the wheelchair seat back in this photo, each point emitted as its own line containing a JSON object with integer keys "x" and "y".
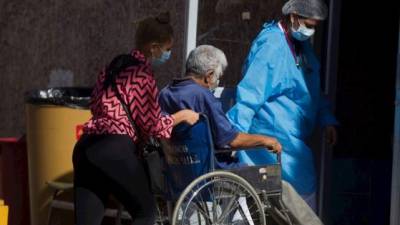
{"x": 227, "y": 97}
{"x": 189, "y": 154}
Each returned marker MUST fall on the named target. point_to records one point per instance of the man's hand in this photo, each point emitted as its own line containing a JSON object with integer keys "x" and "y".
{"x": 244, "y": 140}
{"x": 330, "y": 135}
{"x": 273, "y": 145}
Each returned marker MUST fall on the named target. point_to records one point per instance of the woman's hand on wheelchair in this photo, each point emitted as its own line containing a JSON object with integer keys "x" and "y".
{"x": 185, "y": 115}
{"x": 191, "y": 117}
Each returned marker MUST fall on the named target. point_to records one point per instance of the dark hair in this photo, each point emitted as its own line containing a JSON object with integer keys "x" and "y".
{"x": 285, "y": 20}
{"x": 154, "y": 29}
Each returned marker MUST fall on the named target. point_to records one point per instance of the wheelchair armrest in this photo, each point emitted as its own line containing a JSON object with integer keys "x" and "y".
{"x": 229, "y": 150}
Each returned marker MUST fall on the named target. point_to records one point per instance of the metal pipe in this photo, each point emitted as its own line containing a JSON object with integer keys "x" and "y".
{"x": 395, "y": 199}
{"x": 330, "y": 90}
{"x": 192, "y": 9}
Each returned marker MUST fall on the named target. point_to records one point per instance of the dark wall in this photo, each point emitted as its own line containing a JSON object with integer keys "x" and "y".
{"x": 69, "y": 41}
{"x": 366, "y": 79}
{"x": 221, "y": 24}
{"x": 361, "y": 172}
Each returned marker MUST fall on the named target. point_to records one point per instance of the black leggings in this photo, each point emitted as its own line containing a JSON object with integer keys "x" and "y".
{"x": 104, "y": 165}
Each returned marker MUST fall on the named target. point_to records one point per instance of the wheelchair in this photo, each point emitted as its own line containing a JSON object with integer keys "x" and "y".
{"x": 206, "y": 195}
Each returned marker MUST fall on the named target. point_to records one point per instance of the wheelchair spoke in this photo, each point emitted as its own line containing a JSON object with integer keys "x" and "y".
{"x": 199, "y": 214}
{"x": 237, "y": 207}
{"x": 235, "y": 196}
{"x": 205, "y": 213}
{"x": 228, "y": 210}
{"x": 200, "y": 208}
{"x": 242, "y": 214}
{"x": 229, "y": 207}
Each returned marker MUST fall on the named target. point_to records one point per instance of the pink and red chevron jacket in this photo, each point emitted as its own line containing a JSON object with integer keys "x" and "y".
{"x": 138, "y": 88}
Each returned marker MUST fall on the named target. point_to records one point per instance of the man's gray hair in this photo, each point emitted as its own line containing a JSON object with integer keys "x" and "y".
{"x": 205, "y": 58}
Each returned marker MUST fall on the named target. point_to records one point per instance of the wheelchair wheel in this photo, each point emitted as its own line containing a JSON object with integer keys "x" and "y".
{"x": 219, "y": 198}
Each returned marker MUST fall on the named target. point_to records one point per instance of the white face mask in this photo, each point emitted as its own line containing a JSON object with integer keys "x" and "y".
{"x": 302, "y": 33}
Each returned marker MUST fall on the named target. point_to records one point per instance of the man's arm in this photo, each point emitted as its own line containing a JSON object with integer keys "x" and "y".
{"x": 224, "y": 133}
{"x": 244, "y": 140}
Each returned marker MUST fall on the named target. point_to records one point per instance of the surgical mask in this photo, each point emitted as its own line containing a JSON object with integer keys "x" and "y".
{"x": 302, "y": 33}
{"x": 163, "y": 58}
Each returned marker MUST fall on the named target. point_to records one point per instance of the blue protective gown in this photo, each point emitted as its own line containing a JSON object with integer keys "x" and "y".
{"x": 280, "y": 99}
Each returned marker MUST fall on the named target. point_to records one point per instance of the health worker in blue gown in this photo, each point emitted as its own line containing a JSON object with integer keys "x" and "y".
{"x": 280, "y": 94}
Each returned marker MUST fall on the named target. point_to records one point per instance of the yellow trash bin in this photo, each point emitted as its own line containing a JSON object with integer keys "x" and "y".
{"x": 54, "y": 122}
{"x": 3, "y": 213}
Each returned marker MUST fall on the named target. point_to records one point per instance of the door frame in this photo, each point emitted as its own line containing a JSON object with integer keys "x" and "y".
{"x": 395, "y": 195}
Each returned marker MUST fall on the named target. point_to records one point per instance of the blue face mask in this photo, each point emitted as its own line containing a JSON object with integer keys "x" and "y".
{"x": 302, "y": 33}
{"x": 163, "y": 58}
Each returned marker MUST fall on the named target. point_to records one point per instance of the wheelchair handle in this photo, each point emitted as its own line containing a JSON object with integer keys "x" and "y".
{"x": 279, "y": 157}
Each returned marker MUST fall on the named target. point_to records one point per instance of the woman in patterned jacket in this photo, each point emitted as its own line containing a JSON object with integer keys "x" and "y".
{"x": 105, "y": 158}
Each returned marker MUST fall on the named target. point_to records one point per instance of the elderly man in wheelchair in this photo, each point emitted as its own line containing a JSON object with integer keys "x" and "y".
{"x": 209, "y": 185}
